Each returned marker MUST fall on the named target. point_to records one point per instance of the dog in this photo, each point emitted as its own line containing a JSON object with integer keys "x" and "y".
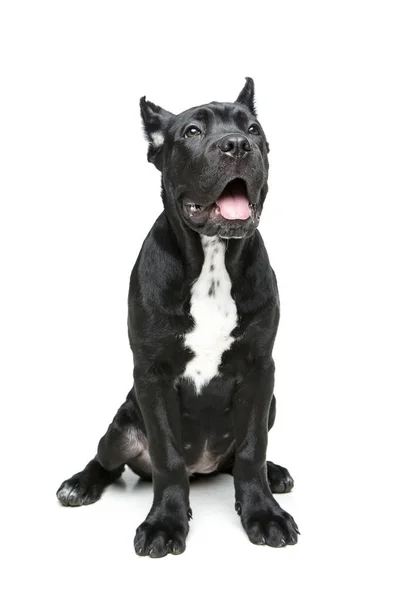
{"x": 203, "y": 313}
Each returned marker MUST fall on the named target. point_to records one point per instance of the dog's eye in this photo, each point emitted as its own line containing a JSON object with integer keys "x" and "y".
{"x": 254, "y": 130}
{"x": 192, "y": 131}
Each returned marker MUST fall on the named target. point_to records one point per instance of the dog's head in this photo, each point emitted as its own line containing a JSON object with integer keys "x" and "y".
{"x": 214, "y": 163}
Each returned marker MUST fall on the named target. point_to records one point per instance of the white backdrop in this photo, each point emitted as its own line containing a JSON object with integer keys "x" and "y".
{"x": 77, "y": 199}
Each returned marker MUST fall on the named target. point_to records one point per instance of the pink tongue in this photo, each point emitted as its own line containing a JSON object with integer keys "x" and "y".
{"x": 234, "y": 206}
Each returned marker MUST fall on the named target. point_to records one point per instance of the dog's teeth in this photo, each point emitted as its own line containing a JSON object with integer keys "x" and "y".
{"x": 194, "y": 207}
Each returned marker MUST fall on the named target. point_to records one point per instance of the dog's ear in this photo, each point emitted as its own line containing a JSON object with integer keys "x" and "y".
{"x": 155, "y": 123}
{"x": 246, "y": 96}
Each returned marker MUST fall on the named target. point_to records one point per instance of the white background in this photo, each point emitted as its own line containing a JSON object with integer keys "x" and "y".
{"x": 77, "y": 199}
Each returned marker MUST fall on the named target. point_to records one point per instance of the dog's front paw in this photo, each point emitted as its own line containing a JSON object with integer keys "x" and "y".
{"x": 157, "y": 537}
{"x": 271, "y": 527}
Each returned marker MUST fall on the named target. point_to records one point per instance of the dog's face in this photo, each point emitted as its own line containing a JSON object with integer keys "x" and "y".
{"x": 214, "y": 163}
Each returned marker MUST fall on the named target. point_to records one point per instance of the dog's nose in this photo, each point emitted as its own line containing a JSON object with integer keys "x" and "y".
{"x": 235, "y": 145}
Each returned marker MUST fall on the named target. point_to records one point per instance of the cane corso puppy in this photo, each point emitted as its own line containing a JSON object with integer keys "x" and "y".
{"x": 203, "y": 316}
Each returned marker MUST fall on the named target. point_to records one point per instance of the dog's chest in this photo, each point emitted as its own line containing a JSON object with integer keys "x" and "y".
{"x": 215, "y": 316}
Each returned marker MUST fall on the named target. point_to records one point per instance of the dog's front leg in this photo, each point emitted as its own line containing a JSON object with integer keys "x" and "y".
{"x": 167, "y": 524}
{"x": 264, "y": 521}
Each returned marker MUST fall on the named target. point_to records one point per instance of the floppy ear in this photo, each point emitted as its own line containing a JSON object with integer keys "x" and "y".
{"x": 246, "y": 96}
{"x": 155, "y": 122}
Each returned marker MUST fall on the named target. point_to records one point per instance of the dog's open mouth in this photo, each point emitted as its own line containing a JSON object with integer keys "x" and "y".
{"x": 232, "y": 204}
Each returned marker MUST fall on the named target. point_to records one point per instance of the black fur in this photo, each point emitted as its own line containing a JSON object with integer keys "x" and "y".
{"x": 165, "y": 425}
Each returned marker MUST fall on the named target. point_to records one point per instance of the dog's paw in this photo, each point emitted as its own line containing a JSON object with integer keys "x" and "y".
{"x": 161, "y": 536}
{"x": 279, "y": 479}
{"x": 78, "y": 490}
{"x": 274, "y": 528}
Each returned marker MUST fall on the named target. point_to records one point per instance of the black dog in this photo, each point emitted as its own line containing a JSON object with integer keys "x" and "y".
{"x": 203, "y": 315}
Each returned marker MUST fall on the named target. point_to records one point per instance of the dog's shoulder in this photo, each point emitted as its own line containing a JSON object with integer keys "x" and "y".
{"x": 159, "y": 261}
{"x": 159, "y": 293}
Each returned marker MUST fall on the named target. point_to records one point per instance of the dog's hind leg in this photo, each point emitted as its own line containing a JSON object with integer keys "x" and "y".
{"x": 87, "y": 486}
{"x": 279, "y": 479}
{"x": 123, "y": 442}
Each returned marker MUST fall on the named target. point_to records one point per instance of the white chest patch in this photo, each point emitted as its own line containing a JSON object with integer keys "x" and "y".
{"x": 214, "y": 312}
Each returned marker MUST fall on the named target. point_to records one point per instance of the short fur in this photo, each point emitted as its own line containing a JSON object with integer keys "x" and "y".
{"x": 203, "y": 316}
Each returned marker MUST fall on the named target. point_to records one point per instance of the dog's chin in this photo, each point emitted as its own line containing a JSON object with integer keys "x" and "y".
{"x": 231, "y": 216}
{"x": 229, "y": 230}
{"x": 212, "y": 225}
